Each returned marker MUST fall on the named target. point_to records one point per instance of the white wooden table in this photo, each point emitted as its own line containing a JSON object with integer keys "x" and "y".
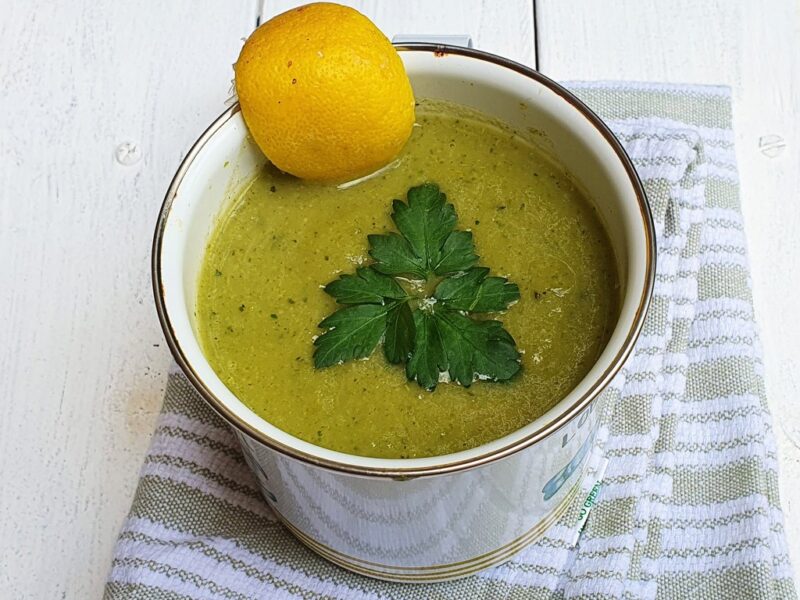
{"x": 101, "y": 98}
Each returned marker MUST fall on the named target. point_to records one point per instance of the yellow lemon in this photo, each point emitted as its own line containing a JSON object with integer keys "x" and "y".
{"x": 324, "y": 93}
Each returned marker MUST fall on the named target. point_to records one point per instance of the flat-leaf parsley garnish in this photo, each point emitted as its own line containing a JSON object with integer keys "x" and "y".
{"x": 424, "y": 299}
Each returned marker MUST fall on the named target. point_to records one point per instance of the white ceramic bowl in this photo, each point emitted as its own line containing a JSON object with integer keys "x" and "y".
{"x": 436, "y": 518}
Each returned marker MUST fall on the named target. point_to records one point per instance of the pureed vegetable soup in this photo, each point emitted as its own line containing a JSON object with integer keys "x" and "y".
{"x": 261, "y": 297}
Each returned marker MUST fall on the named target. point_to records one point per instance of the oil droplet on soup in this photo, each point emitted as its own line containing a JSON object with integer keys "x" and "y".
{"x": 260, "y": 294}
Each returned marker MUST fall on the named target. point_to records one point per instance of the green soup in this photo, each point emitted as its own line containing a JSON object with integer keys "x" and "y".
{"x": 260, "y": 298}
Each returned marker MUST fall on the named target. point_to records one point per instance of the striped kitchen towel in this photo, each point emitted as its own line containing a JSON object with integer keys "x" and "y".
{"x": 688, "y": 506}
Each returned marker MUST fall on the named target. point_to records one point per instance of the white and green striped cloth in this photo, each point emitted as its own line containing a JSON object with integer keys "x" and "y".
{"x": 689, "y": 504}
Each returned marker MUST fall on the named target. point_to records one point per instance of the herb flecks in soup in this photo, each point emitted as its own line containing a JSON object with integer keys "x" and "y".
{"x": 260, "y": 297}
{"x": 416, "y": 300}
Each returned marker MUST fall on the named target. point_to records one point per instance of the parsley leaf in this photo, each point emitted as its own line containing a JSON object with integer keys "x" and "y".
{"x": 465, "y": 349}
{"x": 367, "y": 286}
{"x": 394, "y": 256}
{"x": 428, "y": 243}
{"x": 428, "y": 358}
{"x": 457, "y": 254}
{"x": 400, "y": 329}
{"x": 352, "y": 332}
{"x": 481, "y": 349}
{"x": 473, "y": 291}
{"x": 425, "y": 221}
{"x": 436, "y": 337}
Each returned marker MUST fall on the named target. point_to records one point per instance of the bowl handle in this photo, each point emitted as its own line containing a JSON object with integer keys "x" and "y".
{"x": 464, "y": 40}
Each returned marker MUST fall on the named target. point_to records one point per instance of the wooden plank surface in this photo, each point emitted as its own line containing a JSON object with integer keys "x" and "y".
{"x": 504, "y": 28}
{"x": 82, "y": 355}
{"x": 754, "y": 47}
{"x": 83, "y": 359}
